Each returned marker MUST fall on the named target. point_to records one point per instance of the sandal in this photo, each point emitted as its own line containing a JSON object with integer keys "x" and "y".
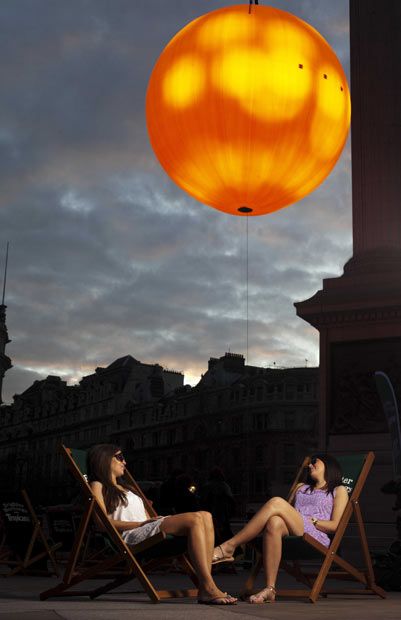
{"x": 218, "y": 559}
{"x": 267, "y": 595}
{"x": 225, "y": 599}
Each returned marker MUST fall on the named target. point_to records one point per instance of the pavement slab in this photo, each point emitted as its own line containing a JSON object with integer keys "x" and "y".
{"x": 19, "y": 600}
{"x": 30, "y": 615}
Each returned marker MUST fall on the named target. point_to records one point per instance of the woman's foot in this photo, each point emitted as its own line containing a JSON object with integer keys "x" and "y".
{"x": 215, "y": 597}
{"x": 223, "y": 553}
{"x": 218, "y": 600}
{"x": 267, "y": 595}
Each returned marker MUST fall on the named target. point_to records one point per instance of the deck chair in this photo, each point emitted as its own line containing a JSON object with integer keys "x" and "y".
{"x": 61, "y": 525}
{"x": 296, "y": 549}
{"x": 25, "y": 547}
{"x": 132, "y": 561}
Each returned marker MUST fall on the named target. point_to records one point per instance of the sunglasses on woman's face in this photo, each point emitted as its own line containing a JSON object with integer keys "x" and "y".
{"x": 120, "y": 457}
{"x": 313, "y": 460}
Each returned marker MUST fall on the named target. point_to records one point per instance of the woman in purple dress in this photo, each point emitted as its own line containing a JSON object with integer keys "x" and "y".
{"x": 315, "y": 507}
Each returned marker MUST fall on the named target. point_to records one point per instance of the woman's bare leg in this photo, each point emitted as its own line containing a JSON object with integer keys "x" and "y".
{"x": 277, "y": 506}
{"x": 209, "y": 534}
{"x": 272, "y": 547}
{"x": 191, "y": 524}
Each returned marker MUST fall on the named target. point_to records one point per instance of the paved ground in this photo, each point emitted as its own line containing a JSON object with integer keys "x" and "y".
{"x": 19, "y": 600}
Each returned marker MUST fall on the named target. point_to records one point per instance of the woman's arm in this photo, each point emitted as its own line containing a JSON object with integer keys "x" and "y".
{"x": 292, "y": 496}
{"x": 340, "y": 502}
{"x": 97, "y": 490}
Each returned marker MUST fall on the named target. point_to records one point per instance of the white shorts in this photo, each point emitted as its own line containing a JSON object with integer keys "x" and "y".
{"x": 141, "y": 533}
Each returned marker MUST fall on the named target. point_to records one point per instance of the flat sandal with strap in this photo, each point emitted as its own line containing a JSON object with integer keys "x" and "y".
{"x": 268, "y": 595}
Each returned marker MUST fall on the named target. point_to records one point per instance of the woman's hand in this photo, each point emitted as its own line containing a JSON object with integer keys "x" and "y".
{"x": 150, "y": 520}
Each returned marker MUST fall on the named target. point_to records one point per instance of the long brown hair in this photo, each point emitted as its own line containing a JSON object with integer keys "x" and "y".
{"x": 98, "y": 462}
{"x": 332, "y": 473}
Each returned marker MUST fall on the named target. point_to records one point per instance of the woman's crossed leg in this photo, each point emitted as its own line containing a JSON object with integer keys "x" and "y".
{"x": 277, "y": 518}
{"x": 198, "y": 527}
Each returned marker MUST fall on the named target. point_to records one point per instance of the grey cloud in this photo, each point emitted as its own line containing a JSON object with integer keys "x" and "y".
{"x": 18, "y": 376}
{"x": 108, "y": 256}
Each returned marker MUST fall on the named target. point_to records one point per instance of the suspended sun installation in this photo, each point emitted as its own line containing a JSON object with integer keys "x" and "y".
{"x": 248, "y": 110}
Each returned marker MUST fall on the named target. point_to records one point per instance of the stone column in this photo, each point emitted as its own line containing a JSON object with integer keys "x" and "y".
{"x": 358, "y": 314}
{"x": 375, "y": 29}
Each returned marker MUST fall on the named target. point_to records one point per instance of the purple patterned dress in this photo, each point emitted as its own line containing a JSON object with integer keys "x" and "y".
{"x": 318, "y": 504}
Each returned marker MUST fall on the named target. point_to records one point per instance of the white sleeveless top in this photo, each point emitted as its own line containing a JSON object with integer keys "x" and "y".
{"x": 135, "y": 511}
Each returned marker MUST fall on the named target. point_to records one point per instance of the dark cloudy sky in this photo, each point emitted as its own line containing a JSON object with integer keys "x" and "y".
{"x": 108, "y": 257}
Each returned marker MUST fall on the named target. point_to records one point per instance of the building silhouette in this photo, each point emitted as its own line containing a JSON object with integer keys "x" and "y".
{"x": 5, "y": 362}
{"x": 256, "y": 423}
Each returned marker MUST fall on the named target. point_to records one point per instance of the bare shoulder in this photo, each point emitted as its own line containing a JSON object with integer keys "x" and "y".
{"x": 341, "y": 491}
{"x": 294, "y": 491}
{"x": 95, "y": 485}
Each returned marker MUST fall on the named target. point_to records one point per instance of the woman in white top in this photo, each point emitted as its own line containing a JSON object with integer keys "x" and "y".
{"x": 126, "y": 511}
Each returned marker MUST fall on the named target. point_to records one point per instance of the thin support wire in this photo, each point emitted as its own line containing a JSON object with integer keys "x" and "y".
{"x": 247, "y": 420}
{"x": 250, "y": 5}
{"x": 247, "y": 289}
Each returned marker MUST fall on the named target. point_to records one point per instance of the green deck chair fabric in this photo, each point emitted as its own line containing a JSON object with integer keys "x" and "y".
{"x": 351, "y": 467}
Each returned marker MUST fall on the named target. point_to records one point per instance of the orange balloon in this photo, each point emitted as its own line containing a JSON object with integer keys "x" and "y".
{"x": 248, "y": 112}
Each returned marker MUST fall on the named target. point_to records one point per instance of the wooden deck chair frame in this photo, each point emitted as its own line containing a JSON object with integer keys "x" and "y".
{"x": 26, "y": 564}
{"x": 329, "y": 555}
{"x": 124, "y": 554}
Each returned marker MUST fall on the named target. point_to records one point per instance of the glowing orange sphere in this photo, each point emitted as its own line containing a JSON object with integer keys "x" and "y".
{"x": 248, "y": 109}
